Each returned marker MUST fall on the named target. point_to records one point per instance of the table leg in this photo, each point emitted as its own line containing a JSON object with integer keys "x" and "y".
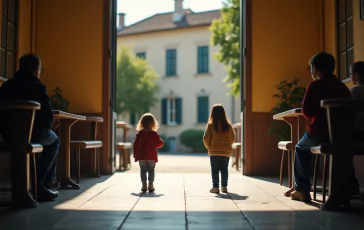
{"x": 64, "y": 159}
{"x": 293, "y": 122}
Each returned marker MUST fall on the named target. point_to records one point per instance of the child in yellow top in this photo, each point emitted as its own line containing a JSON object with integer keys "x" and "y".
{"x": 218, "y": 139}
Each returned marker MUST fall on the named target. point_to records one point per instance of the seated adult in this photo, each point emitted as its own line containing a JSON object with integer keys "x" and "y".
{"x": 25, "y": 85}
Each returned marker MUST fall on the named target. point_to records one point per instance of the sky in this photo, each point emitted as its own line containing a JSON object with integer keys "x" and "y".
{"x": 136, "y": 10}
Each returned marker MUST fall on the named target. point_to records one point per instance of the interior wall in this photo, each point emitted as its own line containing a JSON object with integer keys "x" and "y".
{"x": 69, "y": 36}
{"x": 285, "y": 35}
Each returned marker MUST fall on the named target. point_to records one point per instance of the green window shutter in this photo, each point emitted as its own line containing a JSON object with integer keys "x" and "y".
{"x": 164, "y": 111}
{"x": 132, "y": 119}
{"x": 171, "y": 62}
{"x": 141, "y": 55}
{"x": 179, "y": 110}
{"x": 202, "y": 109}
{"x": 202, "y": 59}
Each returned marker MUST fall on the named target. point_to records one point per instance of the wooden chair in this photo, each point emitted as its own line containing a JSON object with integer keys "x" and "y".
{"x": 286, "y": 147}
{"x": 20, "y": 114}
{"x": 340, "y": 149}
{"x": 93, "y": 144}
{"x": 124, "y": 147}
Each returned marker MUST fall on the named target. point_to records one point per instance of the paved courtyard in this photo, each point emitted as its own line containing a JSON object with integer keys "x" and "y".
{"x": 181, "y": 201}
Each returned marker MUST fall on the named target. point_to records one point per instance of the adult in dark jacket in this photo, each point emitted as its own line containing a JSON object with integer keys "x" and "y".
{"x": 25, "y": 85}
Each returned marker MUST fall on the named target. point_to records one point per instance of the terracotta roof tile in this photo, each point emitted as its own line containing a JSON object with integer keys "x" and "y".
{"x": 164, "y": 21}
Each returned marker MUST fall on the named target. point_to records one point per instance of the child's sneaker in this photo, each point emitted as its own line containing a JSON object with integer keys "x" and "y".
{"x": 151, "y": 187}
{"x": 144, "y": 187}
{"x": 224, "y": 189}
{"x": 215, "y": 190}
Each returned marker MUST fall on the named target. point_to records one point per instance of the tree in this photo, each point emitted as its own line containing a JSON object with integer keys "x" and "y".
{"x": 135, "y": 85}
{"x": 226, "y": 35}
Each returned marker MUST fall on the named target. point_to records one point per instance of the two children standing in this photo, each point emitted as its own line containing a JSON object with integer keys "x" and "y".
{"x": 218, "y": 139}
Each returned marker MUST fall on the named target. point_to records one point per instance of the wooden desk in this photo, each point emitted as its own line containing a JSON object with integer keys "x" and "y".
{"x": 296, "y": 120}
{"x": 64, "y": 157}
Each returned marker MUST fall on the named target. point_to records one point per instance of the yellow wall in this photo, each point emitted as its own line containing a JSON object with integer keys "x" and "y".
{"x": 330, "y": 27}
{"x": 285, "y": 34}
{"x": 24, "y": 27}
{"x": 69, "y": 38}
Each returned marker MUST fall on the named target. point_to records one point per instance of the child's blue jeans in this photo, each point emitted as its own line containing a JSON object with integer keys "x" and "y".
{"x": 219, "y": 164}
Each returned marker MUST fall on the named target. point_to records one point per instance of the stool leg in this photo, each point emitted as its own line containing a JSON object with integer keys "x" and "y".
{"x": 35, "y": 183}
{"x": 78, "y": 164}
{"x": 324, "y": 180}
{"x": 98, "y": 162}
{"x": 281, "y": 171}
{"x": 317, "y": 161}
{"x": 289, "y": 159}
{"x": 120, "y": 158}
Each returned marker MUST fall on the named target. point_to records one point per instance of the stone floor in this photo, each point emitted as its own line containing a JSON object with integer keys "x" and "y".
{"x": 181, "y": 201}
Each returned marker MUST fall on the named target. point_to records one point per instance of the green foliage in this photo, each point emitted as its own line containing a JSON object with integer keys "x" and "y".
{"x": 58, "y": 102}
{"x": 226, "y": 35}
{"x": 135, "y": 85}
{"x": 192, "y": 138}
{"x": 289, "y": 96}
{"x": 165, "y": 147}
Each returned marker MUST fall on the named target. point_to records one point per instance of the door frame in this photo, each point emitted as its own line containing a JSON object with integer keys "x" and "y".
{"x": 245, "y": 83}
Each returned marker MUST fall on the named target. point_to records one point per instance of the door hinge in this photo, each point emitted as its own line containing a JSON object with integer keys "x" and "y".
{"x": 110, "y": 53}
{"x": 244, "y": 51}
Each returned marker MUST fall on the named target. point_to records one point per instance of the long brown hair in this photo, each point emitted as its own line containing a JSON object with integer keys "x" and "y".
{"x": 218, "y": 118}
{"x": 147, "y": 121}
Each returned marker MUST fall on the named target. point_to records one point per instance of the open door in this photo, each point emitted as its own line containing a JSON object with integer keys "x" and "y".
{"x": 113, "y": 34}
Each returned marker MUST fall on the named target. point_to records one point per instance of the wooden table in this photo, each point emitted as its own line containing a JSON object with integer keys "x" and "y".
{"x": 64, "y": 156}
{"x": 296, "y": 120}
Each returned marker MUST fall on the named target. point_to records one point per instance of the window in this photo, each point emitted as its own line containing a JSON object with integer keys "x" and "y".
{"x": 172, "y": 111}
{"x": 171, "y": 62}
{"x": 202, "y": 109}
{"x": 141, "y": 55}
{"x": 345, "y": 37}
{"x": 202, "y": 59}
{"x": 8, "y": 38}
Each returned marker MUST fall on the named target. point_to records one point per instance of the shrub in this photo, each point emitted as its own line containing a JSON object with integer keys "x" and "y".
{"x": 192, "y": 138}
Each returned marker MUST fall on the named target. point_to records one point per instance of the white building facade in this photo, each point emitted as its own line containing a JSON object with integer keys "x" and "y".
{"x": 191, "y": 80}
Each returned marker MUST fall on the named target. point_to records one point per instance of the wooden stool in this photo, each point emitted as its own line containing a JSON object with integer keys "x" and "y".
{"x": 285, "y": 146}
{"x": 124, "y": 154}
{"x": 78, "y": 145}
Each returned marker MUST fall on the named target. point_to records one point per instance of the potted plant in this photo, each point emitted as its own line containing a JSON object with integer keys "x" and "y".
{"x": 58, "y": 102}
{"x": 289, "y": 96}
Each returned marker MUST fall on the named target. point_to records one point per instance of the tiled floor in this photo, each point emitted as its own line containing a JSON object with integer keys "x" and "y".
{"x": 181, "y": 201}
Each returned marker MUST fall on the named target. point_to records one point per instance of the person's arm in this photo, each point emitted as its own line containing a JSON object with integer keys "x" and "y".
{"x": 46, "y": 112}
{"x": 310, "y": 104}
{"x": 135, "y": 144}
{"x": 159, "y": 141}
{"x": 207, "y": 136}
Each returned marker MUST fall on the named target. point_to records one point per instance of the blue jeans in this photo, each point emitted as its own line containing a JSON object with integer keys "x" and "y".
{"x": 302, "y": 161}
{"x": 47, "y": 161}
{"x": 219, "y": 164}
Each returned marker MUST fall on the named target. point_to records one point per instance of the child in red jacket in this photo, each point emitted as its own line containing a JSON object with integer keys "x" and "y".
{"x": 147, "y": 140}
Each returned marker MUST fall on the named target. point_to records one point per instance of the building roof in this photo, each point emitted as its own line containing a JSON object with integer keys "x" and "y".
{"x": 164, "y": 21}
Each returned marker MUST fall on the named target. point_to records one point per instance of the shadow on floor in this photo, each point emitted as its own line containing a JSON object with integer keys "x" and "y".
{"x": 147, "y": 194}
{"x": 231, "y": 196}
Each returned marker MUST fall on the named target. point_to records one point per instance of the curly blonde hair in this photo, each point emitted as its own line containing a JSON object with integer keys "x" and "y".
{"x": 147, "y": 121}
